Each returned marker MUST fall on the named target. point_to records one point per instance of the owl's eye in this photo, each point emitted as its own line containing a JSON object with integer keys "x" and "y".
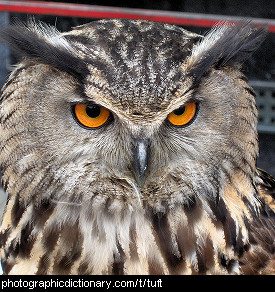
{"x": 183, "y": 115}
{"x": 91, "y": 116}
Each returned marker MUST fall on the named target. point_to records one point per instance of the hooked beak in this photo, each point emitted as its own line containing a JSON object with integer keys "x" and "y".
{"x": 141, "y": 160}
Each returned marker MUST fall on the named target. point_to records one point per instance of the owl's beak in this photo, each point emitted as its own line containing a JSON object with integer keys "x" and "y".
{"x": 141, "y": 160}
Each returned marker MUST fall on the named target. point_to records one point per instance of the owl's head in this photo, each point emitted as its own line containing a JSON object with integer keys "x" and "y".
{"x": 133, "y": 110}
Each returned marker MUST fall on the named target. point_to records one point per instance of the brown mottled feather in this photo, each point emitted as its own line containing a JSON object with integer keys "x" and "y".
{"x": 266, "y": 187}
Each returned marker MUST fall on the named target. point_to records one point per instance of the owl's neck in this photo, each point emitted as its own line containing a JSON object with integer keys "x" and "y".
{"x": 111, "y": 236}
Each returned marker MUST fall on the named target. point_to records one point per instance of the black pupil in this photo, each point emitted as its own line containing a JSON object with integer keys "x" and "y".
{"x": 93, "y": 111}
{"x": 179, "y": 111}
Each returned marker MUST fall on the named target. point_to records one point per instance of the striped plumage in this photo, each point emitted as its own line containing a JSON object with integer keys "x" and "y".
{"x": 77, "y": 203}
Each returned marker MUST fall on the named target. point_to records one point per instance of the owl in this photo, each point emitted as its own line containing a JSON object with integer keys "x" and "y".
{"x": 129, "y": 147}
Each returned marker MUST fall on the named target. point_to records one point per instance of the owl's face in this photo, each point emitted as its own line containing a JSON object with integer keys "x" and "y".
{"x": 138, "y": 111}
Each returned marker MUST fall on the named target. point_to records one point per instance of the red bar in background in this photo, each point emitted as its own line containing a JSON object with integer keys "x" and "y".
{"x": 94, "y": 11}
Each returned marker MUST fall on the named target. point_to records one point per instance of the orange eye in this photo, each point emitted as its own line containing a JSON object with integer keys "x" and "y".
{"x": 183, "y": 115}
{"x": 91, "y": 116}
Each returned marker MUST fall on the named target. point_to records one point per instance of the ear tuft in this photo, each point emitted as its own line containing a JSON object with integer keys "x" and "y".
{"x": 46, "y": 45}
{"x": 225, "y": 45}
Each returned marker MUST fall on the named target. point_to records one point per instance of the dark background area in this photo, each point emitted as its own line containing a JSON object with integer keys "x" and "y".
{"x": 245, "y": 8}
{"x": 260, "y": 67}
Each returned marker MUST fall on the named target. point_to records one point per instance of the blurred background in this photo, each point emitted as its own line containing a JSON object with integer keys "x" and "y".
{"x": 196, "y": 16}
